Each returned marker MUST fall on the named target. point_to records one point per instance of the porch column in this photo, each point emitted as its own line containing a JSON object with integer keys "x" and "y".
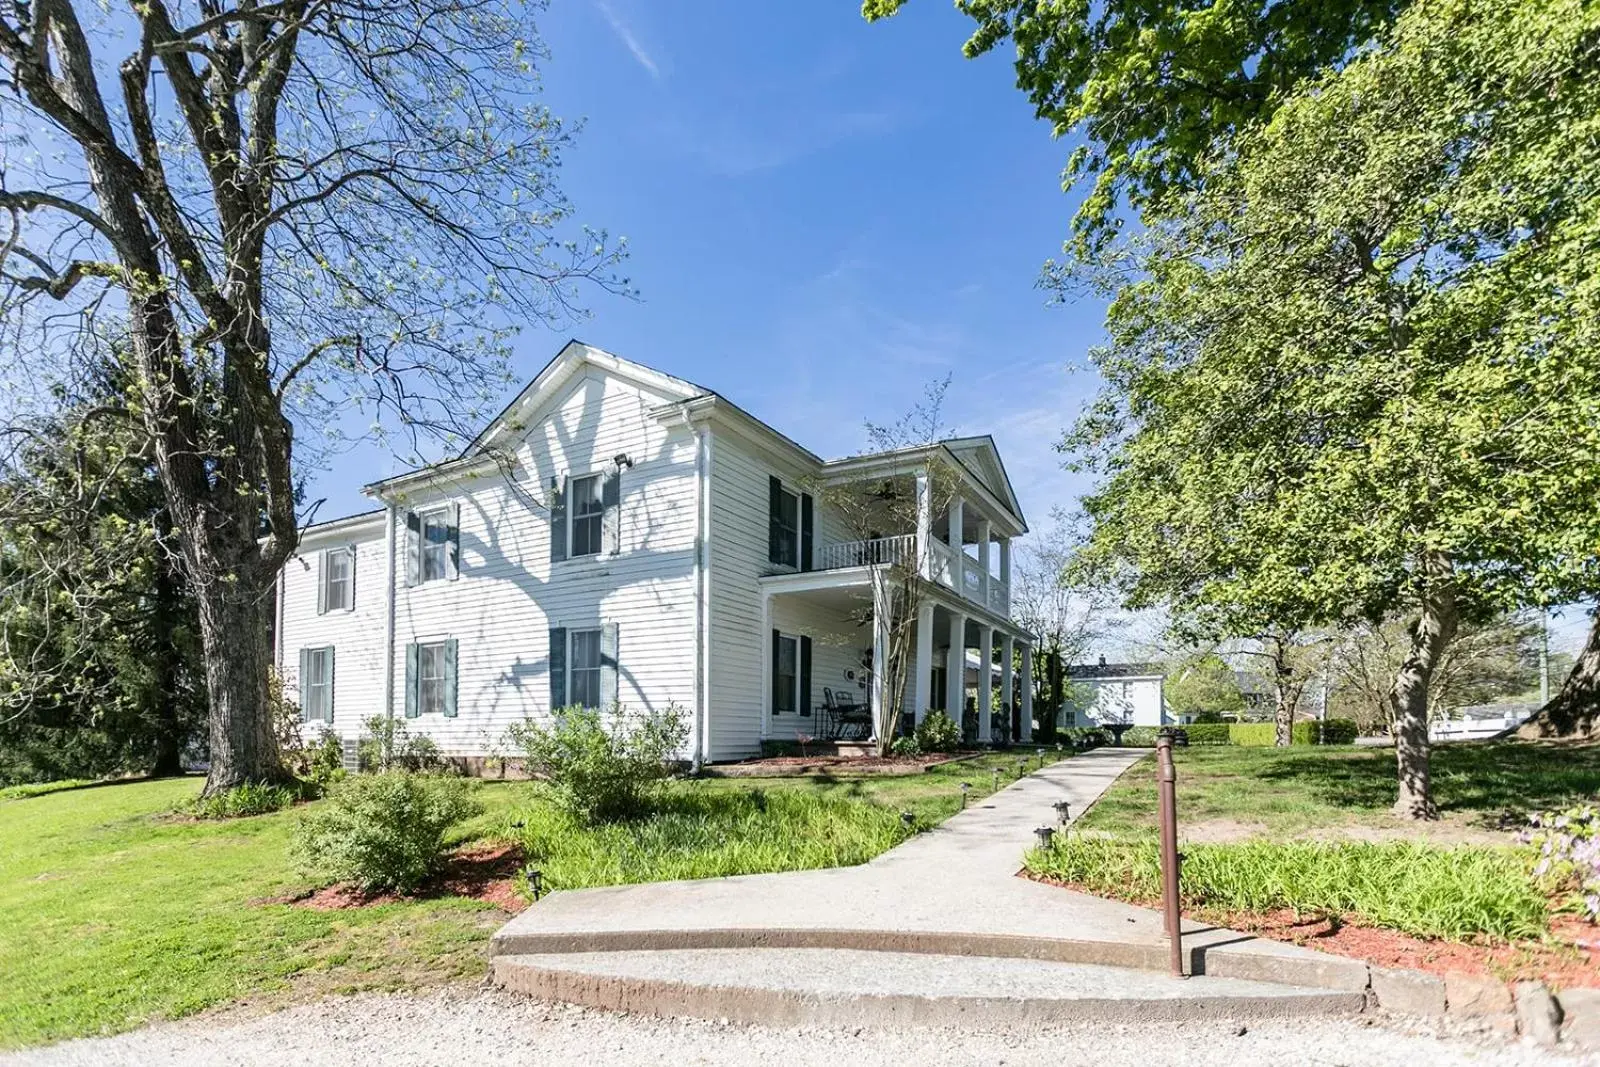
{"x": 985, "y": 683}
{"x": 882, "y": 612}
{"x": 953, "y": 531}
{"x": 1007, "y": 647}
{"x": 955, "y": 668}
{"x": 985, "y": 535}
{"x": 922, "y": 682}
{"x": 1027, "y": 691}
{"x": 1005, "y": 575}
{"x": 924, "y": 530}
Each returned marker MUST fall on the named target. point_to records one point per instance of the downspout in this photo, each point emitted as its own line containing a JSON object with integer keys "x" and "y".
{"x": 388, "y": 622}
{"x": 702, "y": 580}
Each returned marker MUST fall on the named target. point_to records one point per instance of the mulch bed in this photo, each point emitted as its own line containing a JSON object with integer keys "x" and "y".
{"x": 782, "y": 766}
{"x": 1567, "y": 958}
{"x": 478, "y": 872}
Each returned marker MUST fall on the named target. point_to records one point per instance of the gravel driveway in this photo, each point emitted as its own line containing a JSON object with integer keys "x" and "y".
{"x": 475, "y": 1026}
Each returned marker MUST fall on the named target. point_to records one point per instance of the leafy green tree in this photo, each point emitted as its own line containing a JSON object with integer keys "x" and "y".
{"x": 100, "y": 667}
{"x": 1203, "y": 686}
{"x": 300, "y": 214}
{"x": 1356, "y": 372}
{"x": 1156, "y": 88}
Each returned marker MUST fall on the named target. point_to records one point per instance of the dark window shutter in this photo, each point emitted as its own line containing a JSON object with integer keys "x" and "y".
{"x": 305, "y": 673}
{"x": 558, "y": 519}
{"x": 608, "y": 665}
{"x": 558, "y": 668}
{"x": 322, "y": 582}
{"x": 351, "y": 604}
{"x": 777, "y": 642}
{"x": 453, "y": 552}
{"x": 805, "y": 532}
{"x": 450, "y": 678}
{"x": 413, "y": 548}
{"x": 611, "y": 514}
{"x": 331, "y": 687}
{"x": 411, "y": 681}
{"x": 774, "y": 520}
{"x": 805, "y": 675}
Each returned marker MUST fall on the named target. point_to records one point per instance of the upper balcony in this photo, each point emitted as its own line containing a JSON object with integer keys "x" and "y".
{"x": 955, "y": 543}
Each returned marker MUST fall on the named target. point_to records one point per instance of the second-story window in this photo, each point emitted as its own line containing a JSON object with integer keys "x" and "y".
{"x": 338, "y": 579}
{"x": 435, "y": 546}
{"x": 588, "y": 516}
{"x": 785, "y": 529}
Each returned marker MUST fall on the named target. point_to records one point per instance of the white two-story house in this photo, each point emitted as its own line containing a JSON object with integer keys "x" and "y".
{"x": 618, "y": 536}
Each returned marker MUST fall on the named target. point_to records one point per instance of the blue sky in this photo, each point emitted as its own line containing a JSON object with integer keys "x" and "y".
{"x": 824, "y": 216}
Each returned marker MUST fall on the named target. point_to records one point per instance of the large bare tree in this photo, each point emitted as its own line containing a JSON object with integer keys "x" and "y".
{"x": 311, "y": 214}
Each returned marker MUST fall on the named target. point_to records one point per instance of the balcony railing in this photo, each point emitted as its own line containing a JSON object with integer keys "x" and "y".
{"x": 879, "y": 551}
{"x": 946, "y": 566}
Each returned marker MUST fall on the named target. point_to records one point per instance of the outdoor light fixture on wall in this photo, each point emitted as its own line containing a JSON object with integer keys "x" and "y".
{"x": 622, "y": 459}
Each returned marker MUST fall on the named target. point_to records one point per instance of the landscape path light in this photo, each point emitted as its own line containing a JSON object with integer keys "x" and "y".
{"x": 1045, "y": 834}
{"x": 966, "y": 787}
{"x": 1063, "y": 812}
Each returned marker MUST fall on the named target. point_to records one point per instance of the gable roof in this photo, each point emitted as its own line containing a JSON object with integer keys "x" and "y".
{"x": 573, "y": 357}
{"x": 977, "y": 457}
{"x": 1092, "y": 671}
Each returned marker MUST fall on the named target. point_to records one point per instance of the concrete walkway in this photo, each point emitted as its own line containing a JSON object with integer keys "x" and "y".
{"x": 951, "y": 892}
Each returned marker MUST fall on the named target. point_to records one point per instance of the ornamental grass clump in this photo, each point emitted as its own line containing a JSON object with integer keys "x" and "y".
{"x": 384, "y": 832}
{"x": 1424, "y": 890}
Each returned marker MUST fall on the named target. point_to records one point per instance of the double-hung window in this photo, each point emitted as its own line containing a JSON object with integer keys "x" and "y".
{"x": 785, "y": 531}
{"x": 583, "y": 668}
{"x": 786, "y": 675}
{"x": 431, "y": 677}
{"x": 435, "y": 545}
{"x": 338, "y": 579}
{"x": 316, "y": 684}
{"x": 588, "y": 516}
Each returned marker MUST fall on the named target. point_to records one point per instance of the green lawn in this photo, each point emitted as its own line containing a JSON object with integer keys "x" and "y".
{"x": 114, "y": 912}
{"x": 1276, "y": 792}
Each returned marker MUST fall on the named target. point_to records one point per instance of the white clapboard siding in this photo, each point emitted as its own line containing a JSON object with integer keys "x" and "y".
{"x": 356, "y": 635}
{"x": 508, "y": 594}
{"x": 739, "y": 634}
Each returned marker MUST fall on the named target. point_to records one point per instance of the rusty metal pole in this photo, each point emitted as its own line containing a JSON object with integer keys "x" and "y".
{"x": 1167, "y": 776}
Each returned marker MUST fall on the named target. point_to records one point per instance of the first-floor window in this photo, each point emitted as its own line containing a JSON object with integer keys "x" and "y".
{"x": 431, "y": 677}
{"x": 316, "y": 684}
{"x": 583, "y": 668}
{"x": 786, "y": 673}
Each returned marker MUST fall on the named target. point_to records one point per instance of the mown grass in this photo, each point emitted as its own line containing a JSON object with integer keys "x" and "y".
{"x": 116, "y": 908}
{"x": 1419, "y": 889}
{"x": 1286, "y": 791}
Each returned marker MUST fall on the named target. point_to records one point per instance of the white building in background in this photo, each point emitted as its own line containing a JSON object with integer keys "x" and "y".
{"x": 1124, "y": 694}
{"x": 621, "y": 536}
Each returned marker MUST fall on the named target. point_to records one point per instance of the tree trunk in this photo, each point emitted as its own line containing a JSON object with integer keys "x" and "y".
{"x": 1575, "y": 710}
{"x": 233, "y": 633}
{"x": 1434, "y": 628}
{"x": 1283, "y": 720}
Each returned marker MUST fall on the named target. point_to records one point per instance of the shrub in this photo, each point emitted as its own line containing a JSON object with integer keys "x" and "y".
{"x": 1569, "y": 853}
{"x": 406, "y": 751}
{"x": 1340, "y": 732}
{"x": 937, "y": 732}
{"x": 1140, "y": 737}
{"x": 1082, "y": 738}
{"x": 1419, "y": 889}
{"x": 1253, "y": 734}
{"x": 325, "y": 762}
{"x": 905, "y": 746}
{"x": 244, "y": 801}
{"x": 603, "y": 770}
{"x": 383, "y": 831}
{"x": 1208, "y": 733}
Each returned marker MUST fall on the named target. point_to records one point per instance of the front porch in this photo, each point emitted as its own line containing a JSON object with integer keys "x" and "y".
{"x": 829, "y": 629}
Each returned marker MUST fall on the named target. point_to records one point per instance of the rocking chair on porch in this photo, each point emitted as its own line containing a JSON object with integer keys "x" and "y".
{"x": 846, "y": 719}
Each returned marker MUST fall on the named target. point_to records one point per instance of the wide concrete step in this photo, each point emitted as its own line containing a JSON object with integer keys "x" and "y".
{"x": 850, "y": 987}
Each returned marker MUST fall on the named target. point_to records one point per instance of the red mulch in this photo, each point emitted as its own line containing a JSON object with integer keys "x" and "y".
{"x": 1568, "y": 957}
{"x": 481, "y": 872}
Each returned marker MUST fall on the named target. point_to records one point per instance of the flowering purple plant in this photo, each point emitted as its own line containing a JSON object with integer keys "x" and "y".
{"x": 1569, "y": 852}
